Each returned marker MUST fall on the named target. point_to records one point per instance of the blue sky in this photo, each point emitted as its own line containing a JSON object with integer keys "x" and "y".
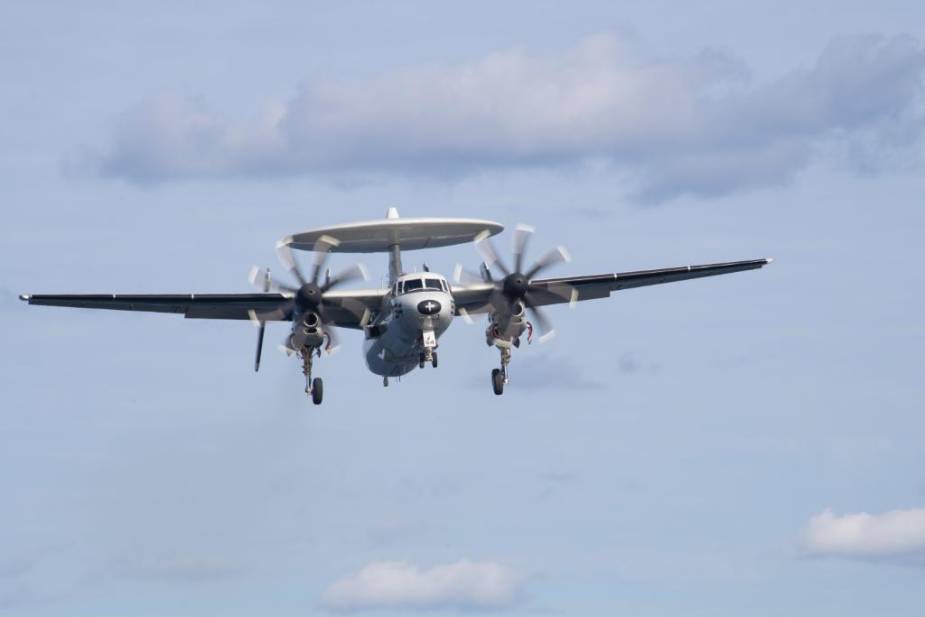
{"x": 748, "y": 444}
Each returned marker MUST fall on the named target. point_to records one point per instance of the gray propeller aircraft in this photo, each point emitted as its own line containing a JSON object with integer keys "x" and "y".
{"x": 401, "y": 323}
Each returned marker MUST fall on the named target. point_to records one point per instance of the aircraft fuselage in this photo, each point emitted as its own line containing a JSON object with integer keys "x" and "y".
{"x": 418, "y": 309}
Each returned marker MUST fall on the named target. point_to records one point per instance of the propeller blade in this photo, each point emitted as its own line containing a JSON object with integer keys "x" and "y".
{"x": 487, "y": 250}
{"x": 464, "y": 277}
{"x": 256, "y": 276}
{"x": 355, "y": 272}
{"x": 522, "y": 235}
{"x": 323, "y": 246}
{"x": 355, "y": 308}
{"x": 561, "y": 290}
{"x": 288, "y": 259}
{"x": 553, "y": 257}
{"x": 263, "y": 327}
{"x": 465, "y": 315}
{"x": 547, "y": 331}
{"x": 333, "y": 341}
{"x": 260, "y": 278}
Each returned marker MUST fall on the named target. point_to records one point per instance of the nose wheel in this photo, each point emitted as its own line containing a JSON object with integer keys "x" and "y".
{"x": 428, "y": 356}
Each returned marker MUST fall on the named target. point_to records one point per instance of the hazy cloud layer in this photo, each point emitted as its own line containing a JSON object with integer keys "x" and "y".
{"x": 669, "y": 126}
{"x": 464, "y": 585}
{"x": 898, "y": 535}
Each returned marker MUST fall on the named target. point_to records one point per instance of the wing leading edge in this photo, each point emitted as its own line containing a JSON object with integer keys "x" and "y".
{"x": 209, "y": 306}
{"x": 577, "y": 288}
{"x": 340, "y": 308}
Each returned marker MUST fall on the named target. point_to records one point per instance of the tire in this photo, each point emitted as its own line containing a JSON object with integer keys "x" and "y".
{"x": 317, "y": 390}
{"x": 421, "y": 361}
{"x": 497, "y": 381}
{"x": 433, "y": 360}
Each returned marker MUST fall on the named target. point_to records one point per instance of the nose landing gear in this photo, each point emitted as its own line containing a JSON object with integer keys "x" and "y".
{"x": 428, "y": 356}
{"x": 429, "y": 353}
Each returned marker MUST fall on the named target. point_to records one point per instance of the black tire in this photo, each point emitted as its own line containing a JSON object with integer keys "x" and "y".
{"x": 317, "y": 390}
{"x": 421, "y": 361}
{"x": 433, "y": 360}
{"x": 497, "y": 381}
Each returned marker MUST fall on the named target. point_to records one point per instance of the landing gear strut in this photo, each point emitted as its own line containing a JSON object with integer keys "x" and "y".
{"x": 313, "y": 387}
{"x": 499, "y": 375}
{"x": 429, "y": 349}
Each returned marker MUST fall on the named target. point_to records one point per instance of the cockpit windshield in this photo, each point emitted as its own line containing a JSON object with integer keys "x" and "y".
{"x": 412, "y": 285}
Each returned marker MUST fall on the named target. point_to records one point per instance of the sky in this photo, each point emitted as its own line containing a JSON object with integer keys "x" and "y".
{"x": 746, "y": 444}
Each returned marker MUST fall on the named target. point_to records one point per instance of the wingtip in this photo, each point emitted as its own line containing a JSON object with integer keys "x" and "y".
{"x": 25, "y": 297}
{"x": 768, "y": 260}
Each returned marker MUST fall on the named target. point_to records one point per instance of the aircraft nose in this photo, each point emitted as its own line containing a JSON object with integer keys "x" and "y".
{"x": 429, "y": 307}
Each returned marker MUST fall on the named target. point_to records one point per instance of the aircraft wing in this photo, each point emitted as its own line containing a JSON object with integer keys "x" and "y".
{"x": 475, "y": 298}
{"x": 342, "y": 308}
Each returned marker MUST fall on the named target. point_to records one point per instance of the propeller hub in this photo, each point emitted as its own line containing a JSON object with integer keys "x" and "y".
{"x": 308, "y": 296}
{"x": 515, "y": 285}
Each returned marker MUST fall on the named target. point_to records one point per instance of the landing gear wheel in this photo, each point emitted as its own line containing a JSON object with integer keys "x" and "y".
{"x": 433, "y": 360}
{"x": 421, "y": 361}
{"x": 497, "y": 381}
{"x": 317, "y": 390}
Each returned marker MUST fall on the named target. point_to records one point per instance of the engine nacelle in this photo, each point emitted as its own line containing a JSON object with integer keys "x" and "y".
{"x": 307, "y": 332}
{"x": 506, "y": 328}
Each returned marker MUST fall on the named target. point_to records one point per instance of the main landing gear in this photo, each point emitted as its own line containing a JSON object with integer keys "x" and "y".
{"x": 313, "y": 387}
{"x": 497, "y": 381}
{"x": 499, "y": 375}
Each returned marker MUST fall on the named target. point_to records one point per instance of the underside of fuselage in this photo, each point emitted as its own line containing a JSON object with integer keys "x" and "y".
{"x": 404, "y": 336}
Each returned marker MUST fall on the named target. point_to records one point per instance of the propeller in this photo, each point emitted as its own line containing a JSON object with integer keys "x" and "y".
{"x": 309, "y": 294}
{"x": 262, "y": 324}
{"x": 517, "y": 286}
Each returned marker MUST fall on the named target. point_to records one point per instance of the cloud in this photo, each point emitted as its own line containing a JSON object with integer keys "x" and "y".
{"x": 464, "y": 585}
{"x": 667, "y": 126}
{"x": 897, "y": 536}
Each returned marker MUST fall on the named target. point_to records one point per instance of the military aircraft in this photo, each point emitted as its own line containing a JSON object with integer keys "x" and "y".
{"x": 402, "y": 322}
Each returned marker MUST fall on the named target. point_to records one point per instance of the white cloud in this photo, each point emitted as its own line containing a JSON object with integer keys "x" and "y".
{"x": 465, "y": 585}
{"x": 898, "y": 535}
{"x": 671, "y": 126}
